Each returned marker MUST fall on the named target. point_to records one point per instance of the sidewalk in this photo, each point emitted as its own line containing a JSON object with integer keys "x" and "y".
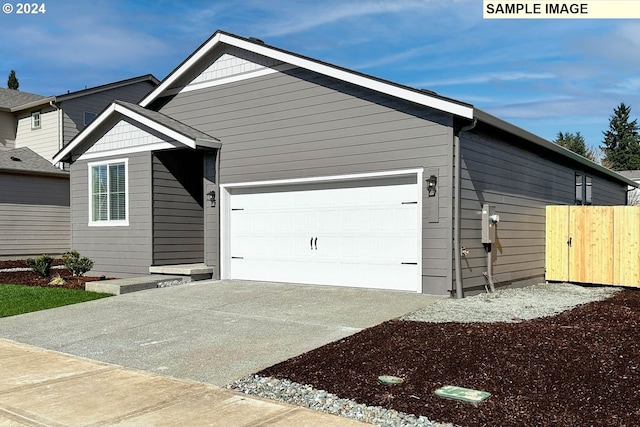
{"x": 45, "y": 388}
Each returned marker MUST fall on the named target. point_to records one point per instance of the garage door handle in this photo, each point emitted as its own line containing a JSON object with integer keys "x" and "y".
{"x": 314, "y": 242}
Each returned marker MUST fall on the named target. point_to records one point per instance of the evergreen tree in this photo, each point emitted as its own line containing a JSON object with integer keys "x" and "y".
{"x": 574, "y": 142}
{"x": 12, "y": 82}
{"x": 621, "y": 142}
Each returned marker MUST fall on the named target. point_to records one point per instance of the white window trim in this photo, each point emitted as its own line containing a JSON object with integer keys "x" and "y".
{"x": 33, "y": 116}
{"x": 108, "y": 223}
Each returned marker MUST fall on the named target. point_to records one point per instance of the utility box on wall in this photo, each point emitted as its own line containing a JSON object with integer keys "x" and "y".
{"x": 489, "y": 221}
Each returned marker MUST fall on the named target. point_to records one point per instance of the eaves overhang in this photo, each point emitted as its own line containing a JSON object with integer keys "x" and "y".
{"x": 380, "y": 85}
{"x": 493, "y": 121}
{"x": 33, "y": 104}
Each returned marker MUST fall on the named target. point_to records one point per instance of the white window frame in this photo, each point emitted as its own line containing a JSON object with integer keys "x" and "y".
{"x": 108, "y": 222}
{"x": 36, "y": 116}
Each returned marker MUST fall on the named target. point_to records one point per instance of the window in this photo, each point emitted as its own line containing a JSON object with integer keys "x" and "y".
{"x": 588, "y": 184}
{"x": 584, "y": 185}
{"x": 579, "y": 197}
{"x": 108, "y": 196}
{"x": 35, "y": 120}
{"x": 88, "y": 116}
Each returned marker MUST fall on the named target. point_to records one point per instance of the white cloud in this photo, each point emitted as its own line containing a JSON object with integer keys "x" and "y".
{"x": 312, "y": 15}
{"x": 486, "y": 78}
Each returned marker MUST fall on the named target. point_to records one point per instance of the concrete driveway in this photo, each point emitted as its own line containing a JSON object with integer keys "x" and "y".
{"x": 211, "y": 331}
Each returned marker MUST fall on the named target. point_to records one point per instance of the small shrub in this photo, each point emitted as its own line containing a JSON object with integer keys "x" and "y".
{"x": 76, "y": 264}
{"x": 41, "y": 265}
{"x": 57, "y": 281}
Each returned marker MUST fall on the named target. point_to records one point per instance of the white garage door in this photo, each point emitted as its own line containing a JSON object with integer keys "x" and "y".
{"x": 362, "y": 233}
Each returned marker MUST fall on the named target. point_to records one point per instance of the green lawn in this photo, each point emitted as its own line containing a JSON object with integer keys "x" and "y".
{"x": 15, "y": 299}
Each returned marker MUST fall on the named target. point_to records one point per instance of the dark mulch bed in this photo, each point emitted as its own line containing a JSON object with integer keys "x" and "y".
{"x": 30, "y": 278}
{"x": 579, "y": 368}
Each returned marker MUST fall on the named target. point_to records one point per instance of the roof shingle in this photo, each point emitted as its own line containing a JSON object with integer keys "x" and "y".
{"x": 24, "y": 160}
{"x": 10, "y": 99}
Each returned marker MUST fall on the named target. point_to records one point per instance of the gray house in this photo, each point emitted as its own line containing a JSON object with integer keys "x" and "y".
{"x": 34, "y": 196}
{"x": 45, "y": 124}
{"x": 34, "y": 206}
{"x": 268, "y": 165}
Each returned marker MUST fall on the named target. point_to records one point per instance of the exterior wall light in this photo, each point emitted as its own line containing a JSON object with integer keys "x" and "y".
{"x": 432, "y": 182}
{"x": 211, "y": 196}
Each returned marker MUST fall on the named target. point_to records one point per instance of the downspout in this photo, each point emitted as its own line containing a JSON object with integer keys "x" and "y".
{"x": 457, "y": 208}
{"x": 59, "y": 113}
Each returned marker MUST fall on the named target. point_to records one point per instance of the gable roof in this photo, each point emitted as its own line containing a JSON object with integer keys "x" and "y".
{"x": 165, "y": 125}
{"x": 418, "y": 96}
{"x": 97, "y": 89}
{"x": 14, "y": 100}
{"x": 25, "y": 161}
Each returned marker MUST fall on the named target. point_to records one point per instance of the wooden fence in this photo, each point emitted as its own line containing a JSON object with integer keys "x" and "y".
{"x": 593, "y": 244}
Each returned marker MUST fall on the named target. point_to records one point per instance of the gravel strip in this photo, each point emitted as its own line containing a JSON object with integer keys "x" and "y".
{"x": 512, "y": 305}
{"x": 508, "y": 305}
{"x": 319, "y": 400}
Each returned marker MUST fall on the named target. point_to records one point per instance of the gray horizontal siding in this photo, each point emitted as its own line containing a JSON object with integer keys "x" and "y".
{"x": 34, "y": 216}
{"x": 73, "y": 109}
{"x": 298, "y": 124}
{"x": 520, "y": 183}
{"x": 178, "y": 218}
{"x": 33, "y": 230}
{"x": 116, "y": 251}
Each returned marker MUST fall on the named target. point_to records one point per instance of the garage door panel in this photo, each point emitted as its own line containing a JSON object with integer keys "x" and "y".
{"x": 352, "y": 234}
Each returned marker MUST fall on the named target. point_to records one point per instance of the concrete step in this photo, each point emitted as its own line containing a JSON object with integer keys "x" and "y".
{"x": 134, "y": 284}
{"x": 198, "y": 271}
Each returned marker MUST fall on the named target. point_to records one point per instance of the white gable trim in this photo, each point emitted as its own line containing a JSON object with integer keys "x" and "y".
{"x": 341, "y": 74}
{"x": 117, "y": 108}
{"x": 156, "y": 126}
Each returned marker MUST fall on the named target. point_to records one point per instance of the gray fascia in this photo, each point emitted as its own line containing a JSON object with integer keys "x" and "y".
{"x": 519, "y": 132}
{"x": 209, "y": 143}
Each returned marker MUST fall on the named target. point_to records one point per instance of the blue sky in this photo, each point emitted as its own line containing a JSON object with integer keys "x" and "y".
{"x": 542, "y": 75}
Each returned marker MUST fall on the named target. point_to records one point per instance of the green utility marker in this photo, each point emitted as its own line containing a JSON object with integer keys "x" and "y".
{"x": 461, "y": 393}
{"x": 390, "y": 379}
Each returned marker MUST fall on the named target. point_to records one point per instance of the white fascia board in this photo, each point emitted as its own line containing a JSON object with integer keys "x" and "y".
{"x": 340, "y": 74}
{"x": 206, "y": 48}
{"x": 87, "y": 131}
{"x": 189, "y": 142}
{"x": 359, "y": 80}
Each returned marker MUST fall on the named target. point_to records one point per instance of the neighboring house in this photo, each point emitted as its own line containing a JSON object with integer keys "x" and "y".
{"x": 34, "y": 206}
{"x": 634, "y": 193}
{"x": 46, "y": 124}
{"x": 11, "y": 103}
{"x": 34, "y": 196}
{"x": 268, "y": 165}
